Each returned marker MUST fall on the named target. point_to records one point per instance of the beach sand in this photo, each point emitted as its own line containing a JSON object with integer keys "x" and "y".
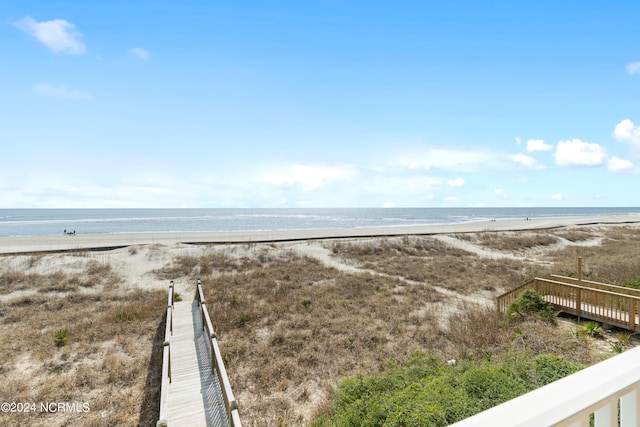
{"x": 26, "y": 244}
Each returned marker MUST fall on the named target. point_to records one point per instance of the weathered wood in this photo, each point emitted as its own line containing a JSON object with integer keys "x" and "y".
{"x": 166, "y": 361}
{"x": 195, "y": 389}
{"x": 235, "y": 419}
{"x": 610, "y": 304}
{"x": 195, "y": 397}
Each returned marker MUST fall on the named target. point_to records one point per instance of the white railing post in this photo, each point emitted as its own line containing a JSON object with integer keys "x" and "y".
{"x": 630, "y": 409}
{"x": 607, "y": 416}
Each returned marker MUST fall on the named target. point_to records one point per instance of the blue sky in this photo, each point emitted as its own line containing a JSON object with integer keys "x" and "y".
{"x": 319, "y": 103}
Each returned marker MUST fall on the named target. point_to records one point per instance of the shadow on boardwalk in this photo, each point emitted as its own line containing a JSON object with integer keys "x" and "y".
{"x": 150, "y": 409}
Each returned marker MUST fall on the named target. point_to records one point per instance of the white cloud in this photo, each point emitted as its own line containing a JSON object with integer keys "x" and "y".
{"x": 579, "y": 153}
{"x": 59, "y": 91}
{"x": 526, "y": 161}
{"x": 556, "y": 196}
{"x": 309, "y": 177}
{"x": 518, "y": 140}
{"x": 537, "y": 145}
{"x": 460, "y": 160}
{"x": 498, "y": 191}
{"x": 458, "y": 182}
{"x": 619, "y": 165}
{"x": 140, "y": 53}
{"x": 57, "y": 35}
{"x": 626, "y": 131}
{"x": 633, "y": 68}
{"x": 415, "y": 164}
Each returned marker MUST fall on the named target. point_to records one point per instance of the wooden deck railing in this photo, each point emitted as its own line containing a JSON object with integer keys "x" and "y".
{"x": 217, "y": 364}
{"x": 596, "y": 285}
{"x": 614, "y": 305}
{"x": 166, "y": 361}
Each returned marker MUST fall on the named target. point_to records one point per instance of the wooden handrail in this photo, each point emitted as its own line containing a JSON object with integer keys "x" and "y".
{"x": 597, "y": 285}
{"x": 597, "y": 301}
{"x": 587, "y": 288}
{"x": 217, "y": 364}
{"x": 166, "y": 360}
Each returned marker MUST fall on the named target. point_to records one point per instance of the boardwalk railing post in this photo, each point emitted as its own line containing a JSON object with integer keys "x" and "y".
{"x": 170, "y": 304}
{"x": 166, "y": 361}
{"x": 578, "y": 294}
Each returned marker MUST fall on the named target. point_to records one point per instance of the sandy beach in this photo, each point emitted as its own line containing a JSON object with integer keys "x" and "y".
{"x": 97, "y": 241}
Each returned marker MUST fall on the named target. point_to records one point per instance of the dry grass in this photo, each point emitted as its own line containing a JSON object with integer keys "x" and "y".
{"x": 290, "y": 327}
{"x": 95, "y": 275}
{"x": 616, "y": 260}
{"x": 515, "y": 242}
{"x": 430, "y": 261}
{"x": 576, "y": 234}
{"x": 109, "y": 361}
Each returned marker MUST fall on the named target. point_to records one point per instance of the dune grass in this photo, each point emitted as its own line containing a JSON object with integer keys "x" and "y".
{"x": 290, "y": 327}
{"x": 97, "y": 350}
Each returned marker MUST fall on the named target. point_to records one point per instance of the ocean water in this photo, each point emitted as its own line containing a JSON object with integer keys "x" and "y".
{"x": 43, "y": 222}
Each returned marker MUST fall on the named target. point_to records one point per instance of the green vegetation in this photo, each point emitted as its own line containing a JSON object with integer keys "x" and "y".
{"x": 623, "y": 340}
{"x": 244, "y": 320}
{"x": 123, "y": 316}
{"x": 61, "y": 337}
{"x": 425, "y": 391}
{"x": 592, "y": 329}
{"x": 529, "y": 303}
{"x": 635, "y": 284}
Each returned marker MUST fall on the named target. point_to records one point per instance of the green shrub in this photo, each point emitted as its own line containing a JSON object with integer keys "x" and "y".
{"x": 123, "y": 316}
{"x": 632, "y": 284}
{"x": 244, "y": 320}
{"x": 548, "y": 368}
{"x": 427, "y": 392}
{"x": 617, "y": 347}
{"x": 529, "y": 304}
{"x": 592, "y": 329}
{"x": 61, "y": 337}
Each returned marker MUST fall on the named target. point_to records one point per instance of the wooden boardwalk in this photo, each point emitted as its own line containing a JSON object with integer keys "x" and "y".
{"x": 610, "y": 304}
{"x": 194, "y": 396}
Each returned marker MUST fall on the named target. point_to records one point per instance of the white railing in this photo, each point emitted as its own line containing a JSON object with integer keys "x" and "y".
{"x": 217, "y": 364}
{"x": 610, "y": 390}
{"x": 166, "y": 361}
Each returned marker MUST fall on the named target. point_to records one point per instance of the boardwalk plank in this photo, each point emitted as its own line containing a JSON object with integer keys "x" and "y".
{"x": 195, "y": 397}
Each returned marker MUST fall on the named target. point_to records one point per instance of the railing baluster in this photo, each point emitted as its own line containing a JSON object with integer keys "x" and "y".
{"x": 217, "y": 364}
{"x": 597, "y": 302}
{"x": 607, "y": 416}
{"x": 630, "y": 409}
